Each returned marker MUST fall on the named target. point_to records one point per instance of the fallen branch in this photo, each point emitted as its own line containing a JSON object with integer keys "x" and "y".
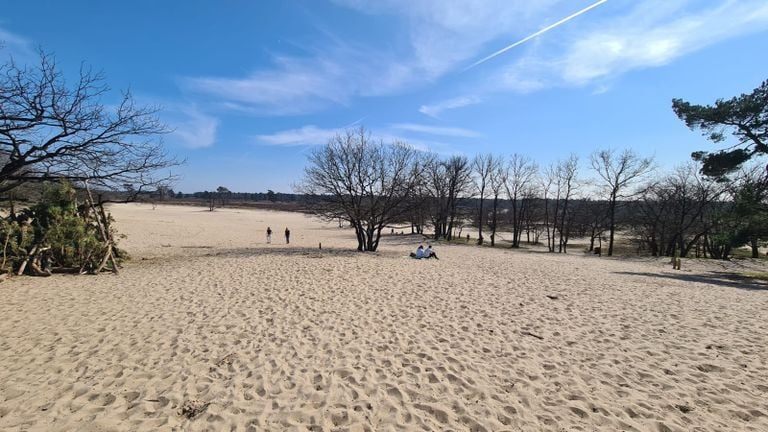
{"x": 66, "y": 270}
{"x": 36, "y": 266}
{"x": 527, "y": 333}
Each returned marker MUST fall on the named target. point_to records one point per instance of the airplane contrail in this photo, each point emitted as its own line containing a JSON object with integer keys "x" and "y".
{"x": 527, "y": 38}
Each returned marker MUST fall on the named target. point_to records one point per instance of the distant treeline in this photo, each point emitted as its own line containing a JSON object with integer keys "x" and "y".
{"x": 229, "y": 196}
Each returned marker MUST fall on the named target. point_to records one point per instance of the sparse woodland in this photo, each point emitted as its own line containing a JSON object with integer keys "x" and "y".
{"x": 704, "y": 210}
{"x": 62, "y": 144}
{"x": 59, "y": 139}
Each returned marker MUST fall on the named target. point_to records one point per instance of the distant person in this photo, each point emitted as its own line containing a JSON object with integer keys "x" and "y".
{"x": 419, "y": 254}
{"x": 269, "y": 235}
{"x": 430, "y": 253}
{"x": 287, "y": 236}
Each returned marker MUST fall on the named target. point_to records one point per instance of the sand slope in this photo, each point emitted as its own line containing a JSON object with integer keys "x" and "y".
{"x": 284, "y": 337}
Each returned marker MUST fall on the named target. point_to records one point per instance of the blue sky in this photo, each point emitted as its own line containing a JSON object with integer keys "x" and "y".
{"x": 250, "y": 86}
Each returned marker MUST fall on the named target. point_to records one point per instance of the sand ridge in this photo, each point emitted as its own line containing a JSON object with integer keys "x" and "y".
{"x": 209, "y": 322}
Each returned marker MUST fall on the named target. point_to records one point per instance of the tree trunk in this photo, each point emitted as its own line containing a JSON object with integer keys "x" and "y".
{"x": 480, "y": 225}
{"x": 360, "y": 237}
{"x": 612, "y": 224}
{"x": 493, "y": 220}
{"x": 753, "y": 243}
{"x": 515, "y": 240}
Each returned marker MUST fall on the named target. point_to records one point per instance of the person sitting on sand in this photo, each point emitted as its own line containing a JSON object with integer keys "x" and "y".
{"x": 419, "y": 252}
{"x": 430, "y": 253}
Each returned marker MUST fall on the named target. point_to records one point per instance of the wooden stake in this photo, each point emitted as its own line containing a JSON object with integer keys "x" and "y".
{"x": 105, "y": 259}
{"x": 101, "y": 222}
{"x": 23, "y": 265}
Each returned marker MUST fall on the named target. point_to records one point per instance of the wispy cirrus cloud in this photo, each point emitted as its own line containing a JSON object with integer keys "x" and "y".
{"x": 16, "y": 46}
{"x": 311, "y": 135}
{"x": 442, "y": 37}
{"x": 331, "y": 75}
{"x": 335, "y": 70}
{"x": 436, "y": 109}
{"x": 190, "y": 127}
{"x": 444, "y": 34}
{"x": 436, "y": 130}
{"x": 651, "y": 34}
{"x": 292, "y": 86}
{"x": 536, "y": 34}
{"x": 303, "y": 136}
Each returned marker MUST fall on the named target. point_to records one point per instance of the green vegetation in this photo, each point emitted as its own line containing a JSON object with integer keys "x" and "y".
{"x": 745, "y": 116}
{"x": 58, "y": 233}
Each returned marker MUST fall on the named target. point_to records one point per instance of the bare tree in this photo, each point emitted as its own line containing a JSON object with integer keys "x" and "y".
{"x": 370, "y": 184}
{"x": 448, "y": 181}
{"x": 566, "y": 171}
{"x": 459, "y": 185}
{"x": 670, "y": 214}
{"x": 617, "y": 173}
{"x": 522, "y": 171}
{"x": 497, "y": 182}
{"x": 551, "y": 189}
{"x": 51, "y": 130}
{"x": 436, "y": 188}
{"x": 593, "y": 214}
{"x": 531, "y": 213}
{"x": 483, "y": 167}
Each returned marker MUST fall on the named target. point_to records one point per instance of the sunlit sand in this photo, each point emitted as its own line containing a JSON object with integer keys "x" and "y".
{"x": 210, "y": 328}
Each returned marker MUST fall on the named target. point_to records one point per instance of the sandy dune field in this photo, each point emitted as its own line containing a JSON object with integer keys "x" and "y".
{"x": 210, "y": 328}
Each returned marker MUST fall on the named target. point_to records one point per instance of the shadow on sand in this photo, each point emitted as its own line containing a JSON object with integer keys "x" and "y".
{"x": 726, "y": 279}
{"x": 299, "y": 252}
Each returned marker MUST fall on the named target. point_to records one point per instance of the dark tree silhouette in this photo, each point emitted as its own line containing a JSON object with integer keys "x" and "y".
{"x": 617, "y": 173}
{"x": 448, "y": 181}
{"x": 521, "y": 173}
{"x": 370, "y": 184}
{"x": 745, "y": 117}
{"x": 483, "y": 167}
{"x": 51, "y": 129}
{"x": 497, "y": 181}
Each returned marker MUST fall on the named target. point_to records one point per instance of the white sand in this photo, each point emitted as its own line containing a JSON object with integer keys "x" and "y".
{"x": 276, "y": 337}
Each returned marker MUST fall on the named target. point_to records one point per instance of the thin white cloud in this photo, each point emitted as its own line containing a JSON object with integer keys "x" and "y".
{"x": 652, "y": 34}
{"x": 332, "y": 74}
{"x": 18, "y": 47}
{"x": 441, "y": 36}
{"x": 311, "y": 135}
{"x": 536, "y": 34}
{"x": 436, "y": 130}
{"x": 436, "y": 109}
{"x": 304, "y": 136}
{"x": 191, "y": 128}
{"x": 446, "y": 33}
{"x": 292, "y": 86}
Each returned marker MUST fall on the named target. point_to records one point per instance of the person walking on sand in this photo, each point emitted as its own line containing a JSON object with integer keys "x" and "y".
{"x": 287, "y": 236}
{"x": 269, "y": 235}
